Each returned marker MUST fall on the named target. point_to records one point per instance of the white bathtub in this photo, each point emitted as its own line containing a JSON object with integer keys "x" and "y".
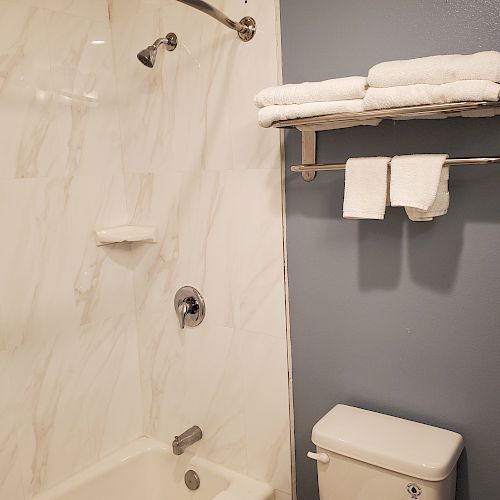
{"x": 147, "y": 470}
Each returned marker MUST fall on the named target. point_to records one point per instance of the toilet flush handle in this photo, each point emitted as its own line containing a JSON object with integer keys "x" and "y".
{"x": 320, "y": 457}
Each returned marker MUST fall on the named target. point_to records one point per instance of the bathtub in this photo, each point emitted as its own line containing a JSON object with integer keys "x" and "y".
{"x": 147, "y": 470}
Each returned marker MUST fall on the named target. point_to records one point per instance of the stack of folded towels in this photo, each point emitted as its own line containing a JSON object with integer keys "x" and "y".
{"x": 304, "y": 100}
{"x": 419, "y": 183}
{"x": 434, "y": 80}
{"x": 395, "y": 84}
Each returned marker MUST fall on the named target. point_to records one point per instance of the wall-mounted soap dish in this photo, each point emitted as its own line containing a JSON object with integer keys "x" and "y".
{"x": 120, "y": 234}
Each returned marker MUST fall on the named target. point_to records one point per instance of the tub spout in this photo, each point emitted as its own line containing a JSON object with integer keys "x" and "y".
{"x": 186, "y": 439}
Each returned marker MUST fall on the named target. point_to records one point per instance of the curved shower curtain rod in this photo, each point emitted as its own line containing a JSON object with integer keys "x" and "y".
{"x": 246, "y": 27}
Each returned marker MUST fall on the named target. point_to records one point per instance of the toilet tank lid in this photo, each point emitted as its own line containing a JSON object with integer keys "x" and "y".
{"x": 399, "y": 445}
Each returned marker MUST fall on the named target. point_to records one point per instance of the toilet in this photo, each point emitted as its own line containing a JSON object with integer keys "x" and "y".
{"x": 363, "y": 455}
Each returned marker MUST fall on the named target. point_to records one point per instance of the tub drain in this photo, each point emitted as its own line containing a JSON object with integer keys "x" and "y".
{"x": 192, "y": 480}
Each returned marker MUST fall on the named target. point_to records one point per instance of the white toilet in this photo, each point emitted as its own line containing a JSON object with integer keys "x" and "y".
{"x": 364, "y": 455}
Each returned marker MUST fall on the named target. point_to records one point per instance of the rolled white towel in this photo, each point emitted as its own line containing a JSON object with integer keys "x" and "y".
{"x": 365, "y": 192}
{"x": 440, "y": 205}
{"x": 415, "y": 180}
{"x": 436, "y": 70}
{"x": 272, "y": 114}
{"x": 338, "y": 89}
{"x": 414, "y": 95}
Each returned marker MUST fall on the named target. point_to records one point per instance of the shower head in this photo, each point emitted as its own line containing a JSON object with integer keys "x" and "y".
{"x": 148, "y": 55}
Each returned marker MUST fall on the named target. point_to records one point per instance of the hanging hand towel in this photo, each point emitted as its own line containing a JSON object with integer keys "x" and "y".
{"x": 440, "y": 205}
{"x": 365, "y": 192}
{"x": 415, "y": 180}
{"x": 436, "y": 70}
{"x": 415, "y": 95}
{"x": 338, "y": 89}
{"x": 272, "y": 114}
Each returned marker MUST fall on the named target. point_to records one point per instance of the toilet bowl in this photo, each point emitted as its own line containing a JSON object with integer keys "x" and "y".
{"x": 363, "y": 455}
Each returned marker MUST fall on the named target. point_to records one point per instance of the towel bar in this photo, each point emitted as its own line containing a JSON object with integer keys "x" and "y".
{"x": 451, "y": 162}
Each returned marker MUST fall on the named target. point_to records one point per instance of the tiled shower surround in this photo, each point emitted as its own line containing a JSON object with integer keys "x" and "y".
{"x": 91, "y": 356}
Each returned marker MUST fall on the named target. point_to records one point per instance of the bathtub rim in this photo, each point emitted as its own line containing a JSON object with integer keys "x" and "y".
{"x": 237, "y": 482}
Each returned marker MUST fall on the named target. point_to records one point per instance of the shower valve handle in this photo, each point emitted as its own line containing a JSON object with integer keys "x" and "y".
{"x": 189, "y": 306}
{"x": 182, "y": 311}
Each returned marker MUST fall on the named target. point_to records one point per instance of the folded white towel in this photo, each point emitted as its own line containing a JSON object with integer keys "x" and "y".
{"x": 338, "y": 89}
{"x": 414, "y": 95}
{"x": 365, "y": 192}
{"x": 440, "y": 205}
{"x": 272, "y": 114}
{"x": 415, "y": 180}
{"x": 436, "y": 70}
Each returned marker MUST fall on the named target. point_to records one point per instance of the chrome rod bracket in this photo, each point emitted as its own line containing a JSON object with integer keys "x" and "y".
{"x": 250, "y": 28}
{"x": 246, "y": 28}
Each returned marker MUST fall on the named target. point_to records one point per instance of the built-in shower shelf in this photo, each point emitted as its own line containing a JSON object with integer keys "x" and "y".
{"x": 122, "y": 234}
{"x": 309, "y": 127}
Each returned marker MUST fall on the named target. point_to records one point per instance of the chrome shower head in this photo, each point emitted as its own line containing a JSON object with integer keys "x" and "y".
{"x": 148, "y": 55}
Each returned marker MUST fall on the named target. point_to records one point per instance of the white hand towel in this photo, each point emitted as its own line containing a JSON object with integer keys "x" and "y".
{"x": 338, "y": 89}
{"x": 436, "y": 70}
{"x": 365, "y": 192}
{"x": 415, "y": 180}
{"x": 272, "y": 114}
{"x": 440, "y": 205}
{"x": 414, "y": 95}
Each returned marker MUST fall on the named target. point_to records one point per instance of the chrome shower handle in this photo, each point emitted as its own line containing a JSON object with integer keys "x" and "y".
{"x": 189, "y": 306}
{"x": 182, "y": 312}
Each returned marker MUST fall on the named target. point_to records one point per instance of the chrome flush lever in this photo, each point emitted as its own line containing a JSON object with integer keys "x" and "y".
{"x": 190, "y": 307}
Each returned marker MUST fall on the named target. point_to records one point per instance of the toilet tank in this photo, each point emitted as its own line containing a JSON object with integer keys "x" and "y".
{"x": 363, "y": 455}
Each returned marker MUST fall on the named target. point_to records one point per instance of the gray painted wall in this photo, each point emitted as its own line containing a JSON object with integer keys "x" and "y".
{"x": 395, "y": 316}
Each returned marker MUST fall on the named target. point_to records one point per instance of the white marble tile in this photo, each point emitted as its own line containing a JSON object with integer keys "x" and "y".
{"x": 190, "y": 378}
{"x": 256, "y": 68}
{"x": 26, "y": 132}
{"x": 281, "y": 495}
{"x": 259, "y": 285}
{"x": 61, "y": 176}
{"x": 221, "y": 232}
{"x": 77, "y": 399}
{"x": 96, "y": 10}
{"x": 186, "y": 88}
{"x": 162, "y": 363}
{"x": 102, "y": 278}
{"x": 110, "y": 383}
{"x": 153, "y": 200}
{"x": 36, "y": 293}
{"x": 207, "y": 221}
{"x": 51, "y": 419}
{"x": 57, "y": 95}
{"x": 83, "y": 79}
{"x": 182, "y": 384}
{"x": 267, "y": 409}
{"x": 11, "y": 483}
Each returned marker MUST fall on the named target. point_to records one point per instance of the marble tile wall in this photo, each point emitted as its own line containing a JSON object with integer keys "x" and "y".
{"x": 91, "y": 355}
{"x": 70, "y": 382}
{"x": 198, "y": 167}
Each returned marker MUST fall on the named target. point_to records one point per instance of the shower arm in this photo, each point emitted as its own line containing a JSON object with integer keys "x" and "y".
{"x": 245, "y": 27}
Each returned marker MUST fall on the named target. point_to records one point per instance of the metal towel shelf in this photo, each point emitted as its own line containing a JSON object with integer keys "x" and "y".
{"x": 309, "y": 127}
